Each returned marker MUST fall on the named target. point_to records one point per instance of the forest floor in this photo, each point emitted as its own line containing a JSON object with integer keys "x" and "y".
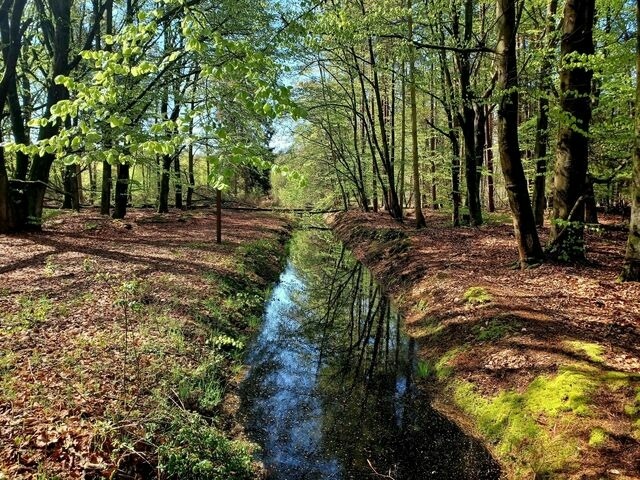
{"x": 121, "y": 343}
{"x": 543, "y": 364}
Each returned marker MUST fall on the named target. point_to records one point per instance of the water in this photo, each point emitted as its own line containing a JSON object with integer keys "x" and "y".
{"x": 330, "y": 394}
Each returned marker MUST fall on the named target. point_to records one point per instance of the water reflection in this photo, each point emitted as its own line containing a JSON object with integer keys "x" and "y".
{"x": 329, "y": 394}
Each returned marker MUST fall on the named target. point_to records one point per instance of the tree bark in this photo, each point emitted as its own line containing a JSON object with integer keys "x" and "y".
{"x": 165, "y": 178}
{"x": 122, "y": 191}
{"x": 491, "y": 204}
{"x": 529, "y": 248}
{"x": 631, "y": 266}
{"x": 415, "y": 160}
{"x": 567, "y": 229}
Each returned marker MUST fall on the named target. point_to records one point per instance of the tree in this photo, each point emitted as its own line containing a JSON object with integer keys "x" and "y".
{"x": 572, "y": 155}
{"x": 631, "y": 267}
{"x": 529, "y": 248}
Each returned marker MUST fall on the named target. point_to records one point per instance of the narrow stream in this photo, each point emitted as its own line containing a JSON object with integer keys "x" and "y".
{"x": 329, "y": 393}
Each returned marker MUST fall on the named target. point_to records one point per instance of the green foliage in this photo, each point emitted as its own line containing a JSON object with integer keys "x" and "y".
{"x": 476, "y": 295}
{"x": 31, "y": 312}
{"x": 196, "y": 450}
{"x": 201, "y": 390}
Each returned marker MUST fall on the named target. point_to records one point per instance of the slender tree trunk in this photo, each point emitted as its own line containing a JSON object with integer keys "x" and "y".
{"x": 178, "y": 182}
{"x": 631, "y": 266}
{"x": 192, "y": 179}
{"x": 529, "y": 248}
{"x": 567, "y": 229}
{"x": 415, "y": 160}
{"x": 403, "y": 135}
{"x": 542, "y": 123}
{"x": 491, "y": 204}
{"x": 481, "y": 144}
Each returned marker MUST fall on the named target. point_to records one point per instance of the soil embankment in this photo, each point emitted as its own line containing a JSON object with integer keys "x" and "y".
{"x": 543, "y": 364}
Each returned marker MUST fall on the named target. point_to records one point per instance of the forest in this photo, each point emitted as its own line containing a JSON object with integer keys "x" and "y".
{"x": 227, "y": 224}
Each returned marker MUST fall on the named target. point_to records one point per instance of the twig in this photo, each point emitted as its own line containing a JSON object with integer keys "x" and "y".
{"x": 377, "y": 474}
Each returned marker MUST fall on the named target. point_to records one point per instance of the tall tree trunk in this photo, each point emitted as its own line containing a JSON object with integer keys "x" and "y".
{"x": 403, "y": 135}
{"x": 542, "y": 122}
{"x": 567, "y": 229}
{"x": 481, "y": 144}
{"x": 491, "y": 203}
{"x": 122, "y": 191}
{"x": 415, "y": 160}
{"x": 529, "y": 248}
{"x": 631, "y": 266}
{"x": 467, "y": 118}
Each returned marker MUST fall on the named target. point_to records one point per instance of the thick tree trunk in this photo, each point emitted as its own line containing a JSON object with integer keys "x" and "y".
{"x": 105, "y": 196}
{"x": 567, "y": 229}
{"x": 122, "y": 191}
{"x": 529, "y": 248}
{"x": 631, "y": 266}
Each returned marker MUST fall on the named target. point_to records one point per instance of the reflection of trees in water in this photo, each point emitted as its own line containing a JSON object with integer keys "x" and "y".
{"x": 369, "y": 411}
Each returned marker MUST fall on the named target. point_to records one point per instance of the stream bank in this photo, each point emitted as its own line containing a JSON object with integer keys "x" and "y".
{"x": 541, "y": 364}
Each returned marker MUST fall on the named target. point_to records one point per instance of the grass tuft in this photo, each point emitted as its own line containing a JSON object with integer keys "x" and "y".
{"x": 476, "y": 295}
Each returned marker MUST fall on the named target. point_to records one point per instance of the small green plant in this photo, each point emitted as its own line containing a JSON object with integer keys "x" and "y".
{"x": 476, "y": 295}
{"x": 424, "y": 369}
{"x": 598, "y": 437}
{"x": 50, "y": 266}
{"x": 89, "y": 226}
{"x": 89, "y": 264}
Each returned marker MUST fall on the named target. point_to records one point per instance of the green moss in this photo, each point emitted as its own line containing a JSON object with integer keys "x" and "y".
{"x": 495, "y": 329}
{"x": 476, "y": 295}
{"x": 598, "y": 437}
{"x": 512, "y": 420}
{"x": 443, "y": 368}
{"x": 593, "y": 351}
